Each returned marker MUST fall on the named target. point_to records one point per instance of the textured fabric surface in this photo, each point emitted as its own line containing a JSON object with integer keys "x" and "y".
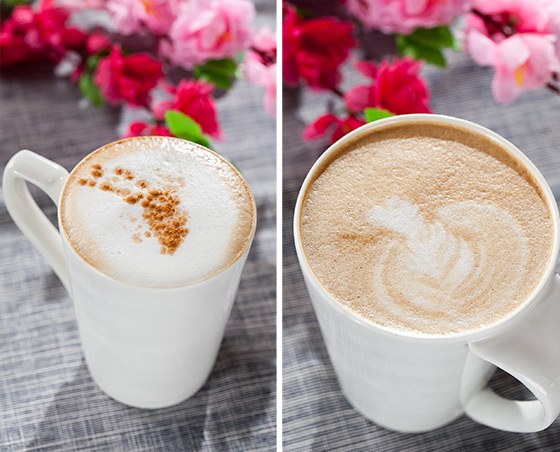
{"x": 48, "y": 400}
{"x": 316, "y": 416}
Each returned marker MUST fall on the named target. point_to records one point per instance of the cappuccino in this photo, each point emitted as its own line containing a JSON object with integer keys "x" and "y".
{"x": 157, "y": 211}
{"x": 427, "y": 228}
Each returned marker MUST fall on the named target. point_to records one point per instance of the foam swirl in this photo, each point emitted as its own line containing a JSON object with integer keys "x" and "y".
{"x": 432, "y": 269}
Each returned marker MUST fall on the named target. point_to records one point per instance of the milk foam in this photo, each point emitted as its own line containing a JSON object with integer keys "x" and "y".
{"x": 199, "y": 219}
{"x": 426, "y": 228}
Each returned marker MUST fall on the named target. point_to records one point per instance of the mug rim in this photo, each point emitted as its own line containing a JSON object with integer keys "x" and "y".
{"x": 242, "y": 252}
{"x": 529, "y": 302}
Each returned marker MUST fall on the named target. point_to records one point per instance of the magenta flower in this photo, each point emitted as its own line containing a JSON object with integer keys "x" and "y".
{"x": 29, "y": 34}
{"x": 333, "y": 125}
{"x": 314, "y": 49}
{"x": 128, "y": 78}
{"x": 209, "y": 30}
{"x": 396, "y": 86}
{"x": 194, "y": 99}
{"x": 404, "y": 16}
{"x": 517, "y": 38}
{"x": 142, "y": 129}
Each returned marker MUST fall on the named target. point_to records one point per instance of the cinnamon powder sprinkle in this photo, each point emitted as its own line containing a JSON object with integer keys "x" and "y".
{"x": 162, "y": 212}
{"x": 133, "y": 199}
{"x": 166, "y": 219}
{"x": 97, "y": 172}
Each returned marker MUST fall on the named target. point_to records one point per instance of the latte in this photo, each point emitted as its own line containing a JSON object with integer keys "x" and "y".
{"x": 427, "y": 228}
{"x": 157, "y": 211}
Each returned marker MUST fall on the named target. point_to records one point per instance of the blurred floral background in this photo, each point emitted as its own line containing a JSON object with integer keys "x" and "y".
{"x": 165, "y": 62}
{"x": 519, "y": 39}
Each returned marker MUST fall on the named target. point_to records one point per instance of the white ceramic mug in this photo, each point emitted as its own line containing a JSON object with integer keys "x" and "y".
{"x": 145, "y": 347}
{"x": 409, "y": 383}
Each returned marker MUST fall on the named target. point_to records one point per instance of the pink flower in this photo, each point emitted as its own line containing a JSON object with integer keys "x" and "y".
{"x": 404, "y": 16}
{"x": 331, "y": 124}
{"x": 142, "y": 129}
{"x": 78, "y": 5}
{"x": 523, "y": 61}
{"x": 264, "y": 40}
{"x": 518, "y": 39}
{"x": 314, "y": 49}
{"x": 397, "y": 87}
{"x": 194, "y": 99}
{"x": 129, "y": 78}
{"x": 206, "y": 30}
{"x": 124, "y": 14}
{"x": 255, "y": 71}
{"x": 130, "y": 16}
{"x": 259, "y": 66}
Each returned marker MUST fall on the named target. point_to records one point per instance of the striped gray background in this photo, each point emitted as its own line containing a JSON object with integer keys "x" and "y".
{"x": 47, "y": 398}
{"x": 316, "y": 416}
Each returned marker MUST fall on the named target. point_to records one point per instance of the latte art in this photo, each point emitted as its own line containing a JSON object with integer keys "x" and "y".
{"x": 426, "y": 228}
{"x": 442, "y": 266}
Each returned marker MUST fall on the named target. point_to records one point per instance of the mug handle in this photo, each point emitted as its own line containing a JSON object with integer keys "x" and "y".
{"x": 530, "y": 352}
{"x": 26, "y": 166}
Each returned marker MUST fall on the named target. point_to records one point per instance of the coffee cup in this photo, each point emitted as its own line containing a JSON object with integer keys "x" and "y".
{"x": 409, "y": 352}
{"x": 153, "y": 236}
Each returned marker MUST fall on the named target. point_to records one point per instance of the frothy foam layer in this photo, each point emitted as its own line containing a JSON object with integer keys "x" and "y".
{"x": 426, "y": 228}
{"x": 158, "y": 212}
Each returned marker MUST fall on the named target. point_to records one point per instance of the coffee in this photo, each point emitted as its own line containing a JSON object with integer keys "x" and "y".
{"x": 157, "y": 211}
{"x": 426, "y": 228}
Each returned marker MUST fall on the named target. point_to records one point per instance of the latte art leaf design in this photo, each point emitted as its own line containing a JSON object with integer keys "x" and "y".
{"x": 440, "y": 267}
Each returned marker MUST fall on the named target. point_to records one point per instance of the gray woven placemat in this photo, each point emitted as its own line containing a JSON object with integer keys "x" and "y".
{"x": 316, "y": 416}
{"x": 48, "y": 400}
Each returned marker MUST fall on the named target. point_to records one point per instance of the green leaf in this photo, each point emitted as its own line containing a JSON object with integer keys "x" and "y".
{"x": 14, "y": 3}
{"x": 438, "y": 37}
{"x": 183, "y": 126}
{"x": 373, "y": 114}
{"x": 92, "y": 62}
{"x": 90, "y": 90}
{"x": 431, "y": 55}
{"x": 427, "y": 44}
{"x": 219, "y": 72}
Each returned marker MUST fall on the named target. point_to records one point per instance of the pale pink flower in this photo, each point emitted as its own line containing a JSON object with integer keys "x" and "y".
{"x": 78, "y": 5}
{"x": 124, "y": 14}
{"x": 131, "y": 16}
{"x": 206, "y": 30}
{"x": 264, "y": 40}
{"x": 256, "y": 72}
{"x": 520, "y": 40}
{"x": 523, "y": 61}
{"x": 517, "y": 16}
{"x": 259, "y": 66}
{"x": 270, "y": 93}
{"x": 404, "y": 16}
{"x": 157, "y": 15}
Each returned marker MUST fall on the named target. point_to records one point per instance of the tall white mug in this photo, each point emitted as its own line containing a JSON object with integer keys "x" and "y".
{"x": 411, "y": 383}
{"x": 145, "y": 347}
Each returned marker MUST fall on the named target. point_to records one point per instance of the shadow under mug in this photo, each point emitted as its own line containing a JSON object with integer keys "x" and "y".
{"x": 414, "y": 383}
{"x": 145, "y": 347}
